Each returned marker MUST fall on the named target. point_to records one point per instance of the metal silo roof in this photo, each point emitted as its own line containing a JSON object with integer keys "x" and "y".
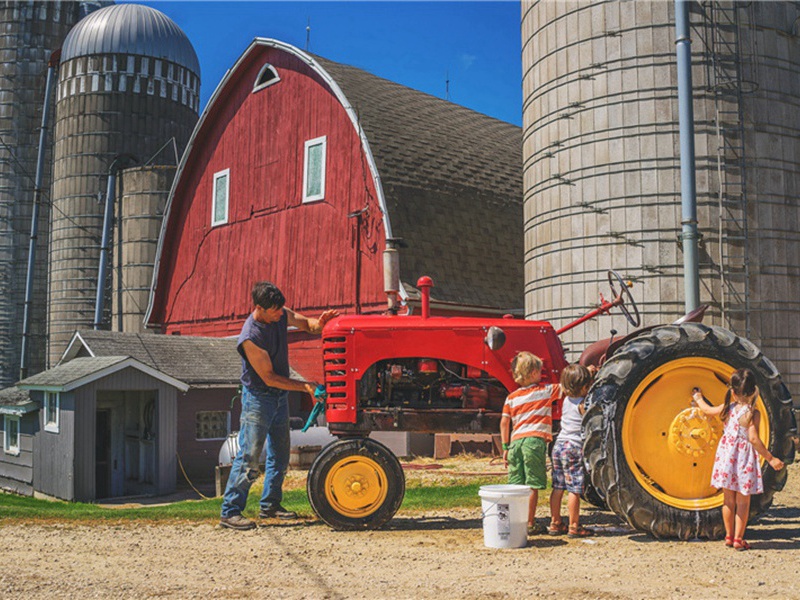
{"x": 131, "y": 29}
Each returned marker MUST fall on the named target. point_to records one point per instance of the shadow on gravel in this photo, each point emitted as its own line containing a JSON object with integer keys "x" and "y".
{"x": 431, "y": 523}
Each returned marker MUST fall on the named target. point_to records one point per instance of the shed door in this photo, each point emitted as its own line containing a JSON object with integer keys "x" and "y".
{"x": 102, "y": 452}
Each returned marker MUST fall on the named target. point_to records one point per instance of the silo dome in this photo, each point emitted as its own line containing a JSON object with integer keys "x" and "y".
{"x": 131, "y": 29}
{"x": 128, "y": 95}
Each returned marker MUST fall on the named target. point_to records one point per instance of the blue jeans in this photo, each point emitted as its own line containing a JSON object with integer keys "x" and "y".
{"x": 265, "y": 416}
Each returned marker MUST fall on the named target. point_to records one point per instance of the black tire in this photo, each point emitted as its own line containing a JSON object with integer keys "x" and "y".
{"x": 366, "y": 461}
{"x": 608, "y": 400}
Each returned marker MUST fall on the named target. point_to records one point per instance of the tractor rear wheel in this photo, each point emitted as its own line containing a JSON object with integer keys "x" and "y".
{"x": 356, "y": 484}
{"x": 650, "y": 454}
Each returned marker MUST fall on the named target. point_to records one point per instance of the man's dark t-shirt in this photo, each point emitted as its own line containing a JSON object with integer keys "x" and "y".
{"x": 270, "y": 337}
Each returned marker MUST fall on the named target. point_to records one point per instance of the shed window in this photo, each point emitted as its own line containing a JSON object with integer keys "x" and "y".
{"x": 266, "y": 77}
{"x": 52, "y": 411}
{"x": 219, "y": 211}
{"x": 11, "y": 434}
{"x": 314, "y": 170}
{"x": 213, "y": 424}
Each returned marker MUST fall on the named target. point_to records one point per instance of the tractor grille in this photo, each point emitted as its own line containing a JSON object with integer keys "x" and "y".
{"x": 334, "y": 357}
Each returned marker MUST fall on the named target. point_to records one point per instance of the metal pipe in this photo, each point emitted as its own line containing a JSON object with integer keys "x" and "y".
{"x": 391, "y": 274}
{"x": 52, "y": 67}
{"x": 689, "y": 235}
{"x": 102, "y": 271}
{"x": 425, "y": 284}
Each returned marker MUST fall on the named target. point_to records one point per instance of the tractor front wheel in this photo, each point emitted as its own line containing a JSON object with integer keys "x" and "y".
{"x": 356, "y": 484}
{"x": 650, "y": 454}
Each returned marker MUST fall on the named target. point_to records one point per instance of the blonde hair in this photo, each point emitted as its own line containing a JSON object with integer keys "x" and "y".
{"x": 525, "y": 364}
{"x": 574, "y": 378}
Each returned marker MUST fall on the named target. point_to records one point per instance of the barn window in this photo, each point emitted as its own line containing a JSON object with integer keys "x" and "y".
{"x": 219, "y": 211}
{"x": 314, "y": 170}
{"x": 11, "y": 435}
{"x": 266, "y": 77}
{"x": 212, "y": 424}
{"x": 52, "y": 411}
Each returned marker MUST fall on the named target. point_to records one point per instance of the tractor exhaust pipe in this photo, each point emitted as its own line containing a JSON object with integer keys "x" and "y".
{"x": 425, "y": 284}
{"x": 391, "y": 274}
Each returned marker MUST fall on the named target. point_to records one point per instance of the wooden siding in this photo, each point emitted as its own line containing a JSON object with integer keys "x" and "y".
{"x": 54, "y": 453}
{"x": 16, "y": 472}
{"x": 308, "y": 250}
{"x": 166, "y": 416}
{"x": 199, "y": 457}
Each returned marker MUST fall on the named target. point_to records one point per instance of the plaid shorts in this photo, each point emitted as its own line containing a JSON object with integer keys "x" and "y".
{"x": 568, "y": 467}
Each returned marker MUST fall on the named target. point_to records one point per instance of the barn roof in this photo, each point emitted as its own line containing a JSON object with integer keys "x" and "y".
{"x": 452, "y": 181}
{"x": 198, "y": 361}
{"x": 448, "y": 180}
{"x": 78, "y": 372}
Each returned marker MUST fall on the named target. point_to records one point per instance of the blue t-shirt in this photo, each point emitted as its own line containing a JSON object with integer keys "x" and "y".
{"x": 267, "y": 336}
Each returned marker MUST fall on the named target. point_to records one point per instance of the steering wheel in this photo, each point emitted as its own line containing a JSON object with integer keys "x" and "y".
{"x": 628, "y": 304}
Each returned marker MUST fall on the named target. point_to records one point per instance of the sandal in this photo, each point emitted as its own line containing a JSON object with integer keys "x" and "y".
{"x": 729, "y": 541}
{"x": 579, "y": 532}
{"x": 536, "y": 529}
{"x": 557, "y": 528}
{"x": 740, "y": 545}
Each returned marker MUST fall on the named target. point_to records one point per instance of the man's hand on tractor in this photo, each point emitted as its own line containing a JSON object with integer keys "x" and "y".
{"x": 327, "y": 316}
{"x": 311, "y": 387}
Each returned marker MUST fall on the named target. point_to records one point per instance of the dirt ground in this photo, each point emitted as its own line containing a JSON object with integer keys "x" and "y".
{"x": 419, "y": 555}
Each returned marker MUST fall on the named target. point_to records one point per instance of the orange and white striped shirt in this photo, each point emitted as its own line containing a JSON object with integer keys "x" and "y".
{"x": 531, "y": 412}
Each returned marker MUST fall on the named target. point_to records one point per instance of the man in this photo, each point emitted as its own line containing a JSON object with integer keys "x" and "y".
{"x": 265, "y": 410}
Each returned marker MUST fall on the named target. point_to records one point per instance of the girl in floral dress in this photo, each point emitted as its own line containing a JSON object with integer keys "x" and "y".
{"x": 737, "y": 469}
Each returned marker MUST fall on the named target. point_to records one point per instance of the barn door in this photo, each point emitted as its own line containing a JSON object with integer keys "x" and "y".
{"x": 102, "y": 453}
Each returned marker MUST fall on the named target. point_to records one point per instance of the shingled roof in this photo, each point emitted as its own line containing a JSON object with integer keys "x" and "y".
{"x": 452, "y": 179}
{"x": 198, "y": 361}
{"x": 16, "y": 401}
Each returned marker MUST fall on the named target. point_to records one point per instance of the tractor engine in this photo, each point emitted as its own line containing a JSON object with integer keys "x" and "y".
{"x": 420, "y": 383}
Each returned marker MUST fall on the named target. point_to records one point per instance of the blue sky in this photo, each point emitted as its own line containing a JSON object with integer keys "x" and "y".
{"x": 418, "y": 44}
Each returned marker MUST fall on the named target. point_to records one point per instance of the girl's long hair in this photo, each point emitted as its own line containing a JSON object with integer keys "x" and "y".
{"x": 743, "y": 383}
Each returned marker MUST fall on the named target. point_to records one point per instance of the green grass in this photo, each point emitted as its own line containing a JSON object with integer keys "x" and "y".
{"x": 31, "y": 509}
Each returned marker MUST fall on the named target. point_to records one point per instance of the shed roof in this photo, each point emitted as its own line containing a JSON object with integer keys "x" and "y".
{"x": 198, "y": 361}
{"x": 81, "y": 371}
{"x": 16, "y": 401}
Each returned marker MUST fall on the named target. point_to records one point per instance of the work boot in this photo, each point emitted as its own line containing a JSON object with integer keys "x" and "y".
{"x": 237, "y": 522}
{"x": 276, "y": 511}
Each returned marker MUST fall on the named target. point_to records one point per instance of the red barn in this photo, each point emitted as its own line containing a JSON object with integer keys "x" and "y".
{"x": 298, "y": 172}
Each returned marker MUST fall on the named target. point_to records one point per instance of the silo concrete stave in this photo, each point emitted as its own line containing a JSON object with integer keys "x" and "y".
{"x": 129, "y": 84}
{"x": 29, "y": 33}
{"x": 601, "y": 164}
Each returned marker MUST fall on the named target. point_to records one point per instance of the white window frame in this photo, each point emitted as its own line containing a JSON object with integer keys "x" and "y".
{"x": 49, "y": 398}
{"x": 316, "y": 141}
{"x": 218, "y": 175}
{"x": 227, "y": 426}
{"x": 274, "y": 80}
{"x": 7, "y": 447}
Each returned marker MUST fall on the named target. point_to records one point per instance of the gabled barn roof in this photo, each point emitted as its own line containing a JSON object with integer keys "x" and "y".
{"x": 448, "y": 181}
{"x": 198, "y": 361}
{"x": 452, "y": 182}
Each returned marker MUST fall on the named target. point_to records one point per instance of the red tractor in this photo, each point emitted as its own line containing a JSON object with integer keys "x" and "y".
{"x": 649, "y": 455}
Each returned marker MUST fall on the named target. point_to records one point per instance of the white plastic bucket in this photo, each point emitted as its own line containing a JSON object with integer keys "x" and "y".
{"x": 504, "y": 509}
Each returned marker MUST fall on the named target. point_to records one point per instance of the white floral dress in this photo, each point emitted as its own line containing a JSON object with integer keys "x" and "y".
{"x": 736, "y": 465}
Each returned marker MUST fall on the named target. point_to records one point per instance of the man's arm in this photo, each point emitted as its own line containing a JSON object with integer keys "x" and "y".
{"x": 308, "y": 324}
{"x": 260, "y": 361}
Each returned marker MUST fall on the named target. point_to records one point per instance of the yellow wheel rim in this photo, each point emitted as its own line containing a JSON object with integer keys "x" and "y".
{"x": 356, "y": 486}
{"x": 669, "y": 446}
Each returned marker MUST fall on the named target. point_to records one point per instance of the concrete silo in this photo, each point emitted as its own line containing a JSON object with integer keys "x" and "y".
{"x": 142, "y": 194}
{"x": 129, "y": 84}
{"x": 31, "y": 31}
{"x": 601, "y": 164}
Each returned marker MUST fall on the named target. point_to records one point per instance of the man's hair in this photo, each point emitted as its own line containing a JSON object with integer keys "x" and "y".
{"x": 525, "y": 364}
{"x": 574, "y": 378}
{"x": 267, "y": 295}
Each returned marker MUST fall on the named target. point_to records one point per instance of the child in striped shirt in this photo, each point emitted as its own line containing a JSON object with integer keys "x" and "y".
{"x": 526, "y": 428}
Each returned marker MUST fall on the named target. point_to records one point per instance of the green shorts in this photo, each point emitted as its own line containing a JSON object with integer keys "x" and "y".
{"x": 526, "y": 462}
